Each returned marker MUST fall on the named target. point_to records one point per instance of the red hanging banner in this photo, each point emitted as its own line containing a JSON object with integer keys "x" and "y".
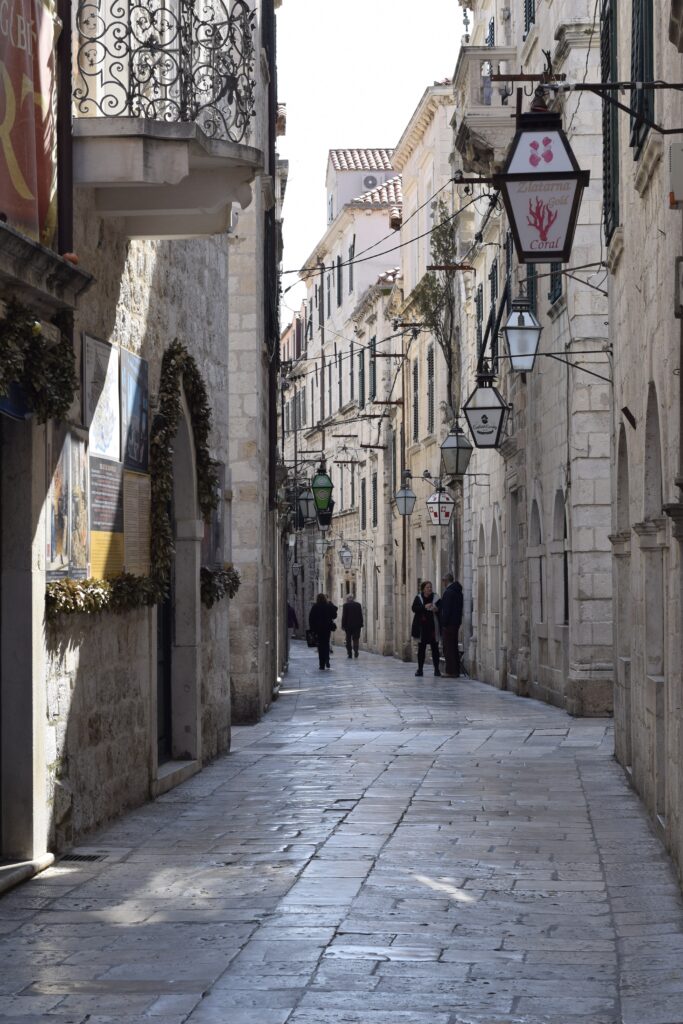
{"x": 28, "y": 166}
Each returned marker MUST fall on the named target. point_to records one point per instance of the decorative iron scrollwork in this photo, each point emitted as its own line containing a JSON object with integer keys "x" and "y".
{"x": 168, "y": 60}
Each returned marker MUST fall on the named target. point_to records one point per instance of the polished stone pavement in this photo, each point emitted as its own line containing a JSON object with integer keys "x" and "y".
{"x": 380, "y": 849}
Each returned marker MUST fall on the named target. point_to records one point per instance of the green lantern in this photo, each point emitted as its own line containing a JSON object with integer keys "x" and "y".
{"x": 322, "y": 489}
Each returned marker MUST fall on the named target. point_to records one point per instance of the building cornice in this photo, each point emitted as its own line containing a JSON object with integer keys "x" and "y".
{"x": 435, "y": 97}
{"x": 572, "y": 35}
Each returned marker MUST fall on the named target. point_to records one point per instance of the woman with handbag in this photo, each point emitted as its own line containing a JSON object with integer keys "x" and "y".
{"x": 321, "y": 622}
{"x": 425, "y": 628}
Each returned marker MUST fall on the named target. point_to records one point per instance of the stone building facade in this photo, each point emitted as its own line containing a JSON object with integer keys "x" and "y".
{"x": 537, "y": 511}
{"x": 103, "y": 711}
{"x": 643, "y": 236}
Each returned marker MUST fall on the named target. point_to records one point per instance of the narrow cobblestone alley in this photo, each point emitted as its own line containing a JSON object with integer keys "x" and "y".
{"x": 380, "y": 849}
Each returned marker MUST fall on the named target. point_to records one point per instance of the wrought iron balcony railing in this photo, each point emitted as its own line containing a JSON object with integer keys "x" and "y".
{"x": 168, "y": 60}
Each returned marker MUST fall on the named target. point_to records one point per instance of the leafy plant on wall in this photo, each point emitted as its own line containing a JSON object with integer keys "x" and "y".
{"x": 126, "y": 592}
{"x": 46, "y": 372}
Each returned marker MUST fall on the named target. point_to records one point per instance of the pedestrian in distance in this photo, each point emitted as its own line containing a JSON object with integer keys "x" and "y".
{"x": 321, "y": 622}
{"x": 425, "y": 628}
{"x": 352, "y": 623}
{"x": 450, "y": 619}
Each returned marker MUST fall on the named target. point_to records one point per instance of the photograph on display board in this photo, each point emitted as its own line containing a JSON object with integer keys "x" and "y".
{"x": 134, "y": 412}
{"x": 101, "y": 397}
{"x": 67, "y": 519}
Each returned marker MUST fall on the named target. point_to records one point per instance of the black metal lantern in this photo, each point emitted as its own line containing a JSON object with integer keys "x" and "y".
{"x": 522, "y": 334}
{"x": 456, "y": 452}
{"x": 440, "y": 506}
{"x": 346, "y": 556}
{"x": 542, "y": 185}
{"x": 405, "y": 498}
{"x": 307, "y": 504}
{"x": 486, "y": 412}
{"x": 325, "y": 518}
{"x": 322, "y": 489}
{"x": 296, "y": 568}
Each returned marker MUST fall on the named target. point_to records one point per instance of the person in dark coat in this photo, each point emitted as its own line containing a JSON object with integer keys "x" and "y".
{"x": 425, "y": 627}
{"x": 321, "y": 622}
{"x": 292, "y": 620}
{"x": 352, "y": 623}
{"x": 450, "y": 618}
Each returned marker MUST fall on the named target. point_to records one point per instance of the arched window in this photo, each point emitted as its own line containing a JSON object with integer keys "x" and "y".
{"x": 561, "y": 556}
{"x": 623, "y": 493}
{"x": 536, "y": 567}
{"x": 652, "y": 492}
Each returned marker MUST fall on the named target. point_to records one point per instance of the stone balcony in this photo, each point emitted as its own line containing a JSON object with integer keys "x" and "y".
{"x": 484, "y": 119}
{"x": 164, "y": 102}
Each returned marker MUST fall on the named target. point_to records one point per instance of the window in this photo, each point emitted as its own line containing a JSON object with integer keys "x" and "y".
{"x": 479, "y": 310}
{"x": 491, "y": 33}
{"x": 330, "y": 209}
{"x": 493, "y": 291}
{"x": 642, "y": 63}
{"x": 430, "y": 390}
{"x": 302, "y": 400}
{"x": 532, "y": 286}
{"x": 555, "y": 282}
{"x": 329, "y": 388}
{"x": 352, "y": 380}
{"x": 394, "y": 480}
{"x": 339, "y": 281}
{"x": 374, "y": 499}
{"x": 312, "y": 404}
{"x": 340, "y": 495}
{"x": 373, "y": 369}
{"x": 610, "y": 119}
{"x": 363, "y": 509}
{"x": 416, "y": 403}
{"x": 361, "y": 378}
{"x": 340, "y": 384}
{"x": 529, "y": 15}
{"x": 329, "y": 295}
{"x": 353, "y": 488}
{"x": 352, "y": 253}
{"x": 287, "y": 422}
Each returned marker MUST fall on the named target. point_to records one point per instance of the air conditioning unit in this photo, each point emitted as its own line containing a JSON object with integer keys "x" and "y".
{"x": 369, "y": 181}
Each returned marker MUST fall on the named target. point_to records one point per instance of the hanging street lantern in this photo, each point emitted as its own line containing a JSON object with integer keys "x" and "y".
{"x": 440, "y": 507}
{"x": 522, "y": 334}
{"x": 346, "y": 556}
{"x": 542, "y": 185}
{"x": 321, "y": 546}
{"x": 322, "y": 489}
{"x": 456, "y": 452}
{"x": 325, "y": 518}
{"x": 296, "y": 568}
{"x": 486, "y": 412}
{"x": 307, "y": 504}
{"x": 405, "y": 498}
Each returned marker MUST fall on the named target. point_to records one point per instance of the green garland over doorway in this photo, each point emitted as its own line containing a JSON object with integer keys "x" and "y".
{"x": 127, "y": 592}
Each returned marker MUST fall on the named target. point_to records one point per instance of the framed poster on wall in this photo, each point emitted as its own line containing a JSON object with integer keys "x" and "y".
{"x": 134, "y": 412}
{"x": 106, "y": 517}
{"x": 67, "y": 540}
{"x": 101, "y": 406}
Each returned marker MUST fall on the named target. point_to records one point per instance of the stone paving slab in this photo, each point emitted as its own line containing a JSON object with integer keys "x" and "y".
{"x": 378, "y": 850}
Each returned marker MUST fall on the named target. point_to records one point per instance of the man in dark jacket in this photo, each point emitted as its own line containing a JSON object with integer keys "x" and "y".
{"x": 352, "y": 623}
{"x": 450, "y": 620}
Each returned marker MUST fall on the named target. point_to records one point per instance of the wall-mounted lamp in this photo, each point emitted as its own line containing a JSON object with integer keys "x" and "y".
{"x": 522, "y": 334}
{"x": 406, "y": 498}
{"x": 486, "y": 412}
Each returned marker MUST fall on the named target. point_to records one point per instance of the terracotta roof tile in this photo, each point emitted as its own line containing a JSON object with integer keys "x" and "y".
{"x": 361, "y": 159}
{"x": 389, "y": 193}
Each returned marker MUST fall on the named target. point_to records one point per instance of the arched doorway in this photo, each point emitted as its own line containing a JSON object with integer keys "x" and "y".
{"x": 623, "y": 709}
{"x": 179, "y": 631}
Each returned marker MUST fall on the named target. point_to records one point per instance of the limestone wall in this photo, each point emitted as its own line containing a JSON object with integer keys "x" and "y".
{"x": 101, "y": 674}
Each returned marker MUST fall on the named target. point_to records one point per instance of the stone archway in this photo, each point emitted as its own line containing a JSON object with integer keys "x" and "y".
{"x": 185, "y": 642}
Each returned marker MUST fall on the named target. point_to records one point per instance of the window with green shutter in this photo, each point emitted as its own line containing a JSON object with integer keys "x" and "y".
{"x": 642, "y": 64}
{"x": 374, "y": 500}
{"x": 529, "y": 15}
{"x": 361, "y": 378}
{"x": 430, "y": 390}
{"x": 363, "y": 505}
{"x": 373, "y": 369}
{"x": 416, "y": 403}
{"x": 610, "y": 119}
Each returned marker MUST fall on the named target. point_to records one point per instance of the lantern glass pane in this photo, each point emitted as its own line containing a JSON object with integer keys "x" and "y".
{"x": 522, "y": 333}
{"x": 484, "y": 411}
{"x": 456, "y": 452}
{"x": 322, "y": 491}
{"x": 543, "y": 215}
{"x": 405, "y": 501}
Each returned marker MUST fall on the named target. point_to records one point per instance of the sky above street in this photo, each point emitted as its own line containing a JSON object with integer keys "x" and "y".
{"x": 351, "y": 73}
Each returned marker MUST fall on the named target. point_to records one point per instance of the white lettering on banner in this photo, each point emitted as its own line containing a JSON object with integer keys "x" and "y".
{"x": 14, "y": 26}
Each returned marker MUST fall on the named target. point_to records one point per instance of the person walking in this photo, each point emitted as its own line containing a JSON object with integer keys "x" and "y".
{"x": 450, "y": 618}
{"x": 352, "y": 623}
{"x": 320, "y": 621}
{"x": 425, "y": 627}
